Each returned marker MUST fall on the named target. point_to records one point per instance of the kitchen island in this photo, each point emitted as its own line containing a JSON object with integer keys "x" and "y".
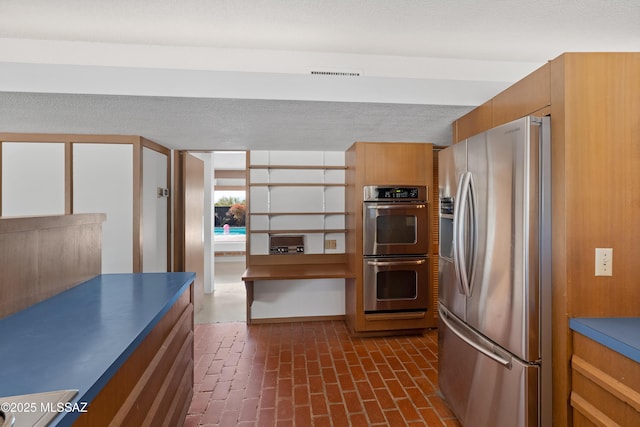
{"x": 605, "y": 371}
{"x": 124, "y": 341}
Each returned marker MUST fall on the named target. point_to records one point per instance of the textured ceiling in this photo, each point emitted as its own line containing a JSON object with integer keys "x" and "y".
{"x": 228, "y": 124}
{"x": 416, "y": 56}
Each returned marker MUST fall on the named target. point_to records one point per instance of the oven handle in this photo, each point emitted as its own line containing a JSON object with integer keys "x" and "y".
{"x": 392, "y": 263}
{"x": 397, "y": 206}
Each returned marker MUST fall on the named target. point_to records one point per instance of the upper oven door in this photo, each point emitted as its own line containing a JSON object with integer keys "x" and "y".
{"x": 395, "y": 228}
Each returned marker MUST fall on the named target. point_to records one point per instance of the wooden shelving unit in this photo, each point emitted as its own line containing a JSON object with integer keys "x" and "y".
{"x": 300, "y": 195}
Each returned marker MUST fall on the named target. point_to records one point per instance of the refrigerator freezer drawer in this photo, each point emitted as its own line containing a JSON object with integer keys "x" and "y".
{"x": 482, "y": 391}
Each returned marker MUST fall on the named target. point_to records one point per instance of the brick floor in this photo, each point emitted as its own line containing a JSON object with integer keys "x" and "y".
{"x": 313, "y": 374}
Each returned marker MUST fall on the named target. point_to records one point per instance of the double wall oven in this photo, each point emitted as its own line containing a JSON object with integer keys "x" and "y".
{"x": 396, "y": 244}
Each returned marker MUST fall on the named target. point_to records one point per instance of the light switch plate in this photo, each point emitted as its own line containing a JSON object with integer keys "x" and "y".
{"x": 604, "y": 262}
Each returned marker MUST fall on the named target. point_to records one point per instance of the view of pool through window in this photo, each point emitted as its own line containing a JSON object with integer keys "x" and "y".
{"x": 230, "y": 230}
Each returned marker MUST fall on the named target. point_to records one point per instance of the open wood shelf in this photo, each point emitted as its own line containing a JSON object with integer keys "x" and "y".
{"x": 298, "y": 167}
{"x": 295, "y": 184}
{"x": 297, "y": 213}
{"x": 305, "y": 231}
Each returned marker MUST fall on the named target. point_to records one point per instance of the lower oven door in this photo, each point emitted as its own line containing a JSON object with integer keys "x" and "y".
{"x": 396, "y": 284}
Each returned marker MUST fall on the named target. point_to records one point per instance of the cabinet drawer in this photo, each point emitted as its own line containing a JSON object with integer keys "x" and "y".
{"x": 605, "y": 385}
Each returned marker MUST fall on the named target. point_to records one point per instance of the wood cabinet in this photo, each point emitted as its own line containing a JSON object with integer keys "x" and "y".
{"x": 593, "y": 100}
{"x": 605, "y": 386}
{"x": 475, "y": 121}
{"x": 530, "y": 95}
{"x": 154, "y": 386}
{"x": 382, "y": 164}
{"x": 393, "y": 163}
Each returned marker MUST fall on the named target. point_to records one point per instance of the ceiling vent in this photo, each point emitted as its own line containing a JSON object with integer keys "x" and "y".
{"x": 337, "y": 73}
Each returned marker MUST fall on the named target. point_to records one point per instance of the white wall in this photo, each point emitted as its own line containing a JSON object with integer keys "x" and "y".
{"x": 103, "y": 182}
{"x": 154, "y": 211}
{"x": 32, "y": 179}
{"x": 298, "y": 298}
{"x": 207, "y": 221}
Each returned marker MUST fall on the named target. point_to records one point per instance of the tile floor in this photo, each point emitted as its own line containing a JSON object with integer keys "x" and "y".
{"x": 313, "y": 374}
{"x": 228, "y": 301}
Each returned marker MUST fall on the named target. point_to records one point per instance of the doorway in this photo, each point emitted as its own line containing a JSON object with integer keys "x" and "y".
{"x": 225, "y": 196}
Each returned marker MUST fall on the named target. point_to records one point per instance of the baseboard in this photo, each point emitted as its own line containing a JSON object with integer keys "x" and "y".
{"x": 297, "y": 319}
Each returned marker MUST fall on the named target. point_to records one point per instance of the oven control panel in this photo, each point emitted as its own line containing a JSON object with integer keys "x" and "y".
{"x": 373, "y": 193}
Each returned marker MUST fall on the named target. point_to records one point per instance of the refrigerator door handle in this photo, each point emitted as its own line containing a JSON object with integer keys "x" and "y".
{"x": 486, "y": 349}
{"x": 473, "y": 233}
{"x": 456, "y": 243}
{"x": 461, "y": 232}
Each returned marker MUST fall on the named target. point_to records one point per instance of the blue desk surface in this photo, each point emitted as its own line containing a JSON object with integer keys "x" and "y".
{"x": 620, "y": 334}
{"x": 79, "y": 338}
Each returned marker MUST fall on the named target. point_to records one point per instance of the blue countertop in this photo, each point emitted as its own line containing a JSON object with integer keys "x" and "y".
{"x": 79, "y": 338}
{"x": 620, "y": 334}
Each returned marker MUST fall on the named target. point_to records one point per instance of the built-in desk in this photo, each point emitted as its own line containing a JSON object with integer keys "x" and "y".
{"x": 290, "y": 272}
{"x": 124, "y": 341}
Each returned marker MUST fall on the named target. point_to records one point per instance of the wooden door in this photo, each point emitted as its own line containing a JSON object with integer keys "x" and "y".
{"x": 189, "y": 223}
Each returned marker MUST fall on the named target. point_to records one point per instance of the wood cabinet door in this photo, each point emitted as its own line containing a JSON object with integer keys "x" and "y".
{"x": 397, "y": 163}
{"x": 523, "y": 98}
{"x": 189, "y": 221}
{"x": 475, "y": 121}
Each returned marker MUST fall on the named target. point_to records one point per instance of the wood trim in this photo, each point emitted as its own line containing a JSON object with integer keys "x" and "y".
{"x": 294, "y": 184}
{"x": 255, "y": 260}
{"x": 296, "y": 271}
{"x": 169, "y": 212}
{"x": 155, "y": 146}
{"x": 68, "y": 178}
{"x": 395, "y": 316}
{"x": 607, "y": 382}
{"x": 1, "y": 147}
{"x": 229, "y": 174}
{"x": 297, "y": 213}
{"x": 304, "y": 231}
{"x": 270, "y": 320}
{"x": 592, "y": 413}
{"x": 20, "y": 224}
{"x": 300, "y": 167}
{"x": 247, "y": 217}
{"x": 137, "y": 207}
{"x": 435, "y": 237}
{"x": 67, "y": 137}
{"x": 230, "y": 188}
{"x": 178, "y": 209}
{"x": 561, "y": 336}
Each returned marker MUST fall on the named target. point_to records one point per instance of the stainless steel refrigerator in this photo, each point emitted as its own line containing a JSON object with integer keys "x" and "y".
{"x": 494, "y": 335}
